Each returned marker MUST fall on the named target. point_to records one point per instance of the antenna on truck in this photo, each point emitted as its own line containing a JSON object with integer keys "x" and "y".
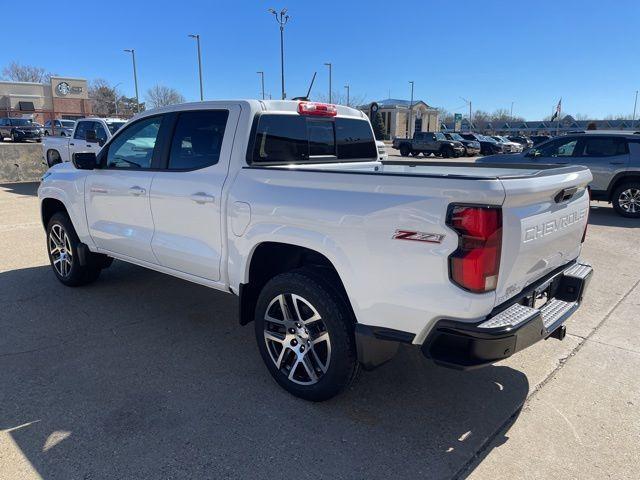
{"x": 306, "y": 98}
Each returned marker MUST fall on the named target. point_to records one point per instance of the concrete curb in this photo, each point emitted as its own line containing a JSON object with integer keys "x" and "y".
{"x": 21, "y": 162}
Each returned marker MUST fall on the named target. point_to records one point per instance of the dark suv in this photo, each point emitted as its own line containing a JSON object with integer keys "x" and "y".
{"x": 488, "y": 146}
{"x": 19, "y": 130}
{"x": 471, "y": 147}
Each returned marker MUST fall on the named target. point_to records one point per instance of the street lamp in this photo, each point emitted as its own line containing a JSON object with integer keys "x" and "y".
{"x": 197, "y": 37}
{"x": 282, "y": 18}
{"x": 347, "y": 87}
{"x": 135, "y": 75}
{"x": 329, "y": 65}
{"x": 469, "y": 102}
{"x": 261, "y": 82}
{"x": 409, "y": 117}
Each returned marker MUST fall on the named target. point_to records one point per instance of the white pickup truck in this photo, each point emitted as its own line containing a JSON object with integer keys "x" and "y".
{"x": 337, "y": 257}
{"x": 89, "y": 135}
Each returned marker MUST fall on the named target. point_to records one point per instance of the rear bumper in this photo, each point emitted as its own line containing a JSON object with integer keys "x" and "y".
{"x": 512, "y": 326}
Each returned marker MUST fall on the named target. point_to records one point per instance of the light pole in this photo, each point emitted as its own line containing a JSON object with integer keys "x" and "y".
{"x": 635, "y": 104}
{"x": 261, "y": 82}
{"x": 410, "y": 115}
{"x": 135, "y": 75}
{"x": 197, "y": 37}
{"x": 347, "y": 87}
{"x": 469, "y": 102}
{"x": 329, "y": 65}
{"x": 511, "y": 114}
{"x": 282, "y": 18}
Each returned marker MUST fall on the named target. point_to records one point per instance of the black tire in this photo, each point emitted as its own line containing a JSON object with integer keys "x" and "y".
{"x": 72, "y": 275}
{"x": 405, "y": 150}
{"x": 626, "y": 199}
{"x": 14, "y": 138}
{"x": 336, "y": 320}
{"x": 46, "y": 133}
{"x": 447, "y": 152}
{"x": 53, "y": 158}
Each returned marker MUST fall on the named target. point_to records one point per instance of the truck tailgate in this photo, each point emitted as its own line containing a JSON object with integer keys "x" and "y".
{"x": 544, "y": 218}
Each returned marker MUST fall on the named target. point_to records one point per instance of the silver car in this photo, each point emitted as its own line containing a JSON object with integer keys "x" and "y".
{"x": 63, "y": 128}
{"x": 613, "y": 157}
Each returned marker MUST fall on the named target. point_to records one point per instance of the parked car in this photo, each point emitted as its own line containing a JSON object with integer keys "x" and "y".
{"x": 428, "y": 143}
{"x": 471, "y": 147}
{"x": 286, "y": 205}
{"x": 613, "y": 158}
{"x": 19, "y": 130}
{"x": 88, "y": 135}
{"x": 63, "y": 128}
{"x": 382, "y": 150}
{"x": 522, "y": 140}
{"x": 507, "y": 145}
{"x": 537, "y": 139}
{"x": 488, "y": 146}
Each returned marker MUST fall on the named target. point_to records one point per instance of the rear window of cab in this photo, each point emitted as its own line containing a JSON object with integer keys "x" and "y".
{"x": 303, "y": 139}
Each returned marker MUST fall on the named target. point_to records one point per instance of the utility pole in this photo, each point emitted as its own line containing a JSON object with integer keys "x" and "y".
{"x": 635, "y": 104}
{"x": 282, "y": 18}
{"x": 347, "y": 87}
{"x": 469, "y": 102}
{"x": 329, "y": 65}
{"x": 197, "y": 37}
{"x": 135, "y": 75}
{"x": 410, "y": 114}
{"x": 261, "y": 82}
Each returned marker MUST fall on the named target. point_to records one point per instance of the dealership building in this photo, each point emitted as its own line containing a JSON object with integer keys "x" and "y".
{"x": 63, "y": 98}
{"x": 395, "y": 113}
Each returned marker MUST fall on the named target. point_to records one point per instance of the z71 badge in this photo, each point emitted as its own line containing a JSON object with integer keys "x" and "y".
{"x": 418, "y": 236}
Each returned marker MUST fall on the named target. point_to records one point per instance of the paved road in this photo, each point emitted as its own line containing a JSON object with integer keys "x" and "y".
{"x": 146, "y": 376}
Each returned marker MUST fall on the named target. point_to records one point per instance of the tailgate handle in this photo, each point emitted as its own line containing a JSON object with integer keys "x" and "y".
{"x": 565, "y": 194}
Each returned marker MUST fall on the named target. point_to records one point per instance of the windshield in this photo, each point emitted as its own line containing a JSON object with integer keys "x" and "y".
{"x": 115, "y": 126}
{"x": 440, "y": 136}
{"x": 20, "y": 122}
{"x": 488, "y": 139}
{"x": 68, "y": 123}
{"x": 456, "y": 136}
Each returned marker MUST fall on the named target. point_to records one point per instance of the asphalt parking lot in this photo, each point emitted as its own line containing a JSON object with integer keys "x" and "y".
{"x": 142, "y": 375}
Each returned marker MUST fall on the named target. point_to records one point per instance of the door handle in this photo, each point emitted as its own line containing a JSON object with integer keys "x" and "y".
{"x": 202, "y": 198}
{"x": 137, "y": 191}
{"x": 71, "y": 144}
{"x": 88, "y": 145}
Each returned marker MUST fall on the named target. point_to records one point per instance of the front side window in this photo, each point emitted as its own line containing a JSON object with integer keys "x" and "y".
{"x": 81, "y": 130}
{"x": 558, "y": 148}
{"x": 101, "y": 133}
{"x": 297, "y": 138}
{"x": 134, "y": 147}
{"x": 197, "y": 139}
{"x": 604, "y": 147}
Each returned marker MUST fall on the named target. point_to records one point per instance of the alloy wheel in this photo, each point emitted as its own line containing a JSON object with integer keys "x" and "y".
{"x": 60, "y": 250}
{"x": 629, "y": 200}
{"x": 297, "y": 339}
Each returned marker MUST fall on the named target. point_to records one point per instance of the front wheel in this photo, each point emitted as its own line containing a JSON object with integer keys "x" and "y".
{"x": 447, "y": 152}
{"x": 626, "y": 200}
{"x": 62, "y": 246}
{"x": 304, "y": 331}
{"x": 405, "y": 150}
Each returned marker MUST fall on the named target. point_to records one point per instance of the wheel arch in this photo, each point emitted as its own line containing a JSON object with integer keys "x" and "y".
{"x": 269, "y": 259}
{"x": 49, "y": 207}
{"x": 620, "y": 178}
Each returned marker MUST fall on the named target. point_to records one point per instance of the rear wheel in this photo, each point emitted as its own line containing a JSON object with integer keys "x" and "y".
{"x": 304, "y": 331}
{"x": 405, "y": 150}
{"x": 626, "y": 200}
{"x": 62, "y": 246}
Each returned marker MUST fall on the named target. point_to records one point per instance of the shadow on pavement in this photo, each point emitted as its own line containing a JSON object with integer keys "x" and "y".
{"x": 24, "y": 189}
{"x": 603, "y": 214}
{"x": 141, "y": 375}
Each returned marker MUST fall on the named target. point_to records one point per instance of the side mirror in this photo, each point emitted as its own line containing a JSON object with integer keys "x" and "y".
{"x": 91, "y": 136}
{"x": 85, "y": 161}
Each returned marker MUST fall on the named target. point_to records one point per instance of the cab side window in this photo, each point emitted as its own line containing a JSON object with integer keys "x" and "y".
{"x": 197, "y": 139}
{"x": 135, "y": 146}
{"x": 101, "y": 133}
{"x": 564, "y": 147}
{"x": 81, "y": 130}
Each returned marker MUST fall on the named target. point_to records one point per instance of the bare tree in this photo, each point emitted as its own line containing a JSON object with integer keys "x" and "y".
{"x": 26, "y": 73}
{"x": 161, "y": 96}
{"x": 340, "y": 98}
{"x": 103, "y": 98}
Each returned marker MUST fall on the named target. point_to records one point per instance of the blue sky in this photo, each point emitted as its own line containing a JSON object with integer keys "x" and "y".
{"x": 491, "y": 52}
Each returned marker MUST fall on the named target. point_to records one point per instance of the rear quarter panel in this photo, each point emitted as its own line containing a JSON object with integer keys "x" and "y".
{"x": 351, "y": 218}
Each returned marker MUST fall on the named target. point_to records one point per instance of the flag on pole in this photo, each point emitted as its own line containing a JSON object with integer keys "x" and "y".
{"x": 556, "y": 114}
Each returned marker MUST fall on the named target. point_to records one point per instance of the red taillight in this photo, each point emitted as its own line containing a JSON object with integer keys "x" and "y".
{"x": 317, "y": 109}
{"x": 475, "y": 264}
